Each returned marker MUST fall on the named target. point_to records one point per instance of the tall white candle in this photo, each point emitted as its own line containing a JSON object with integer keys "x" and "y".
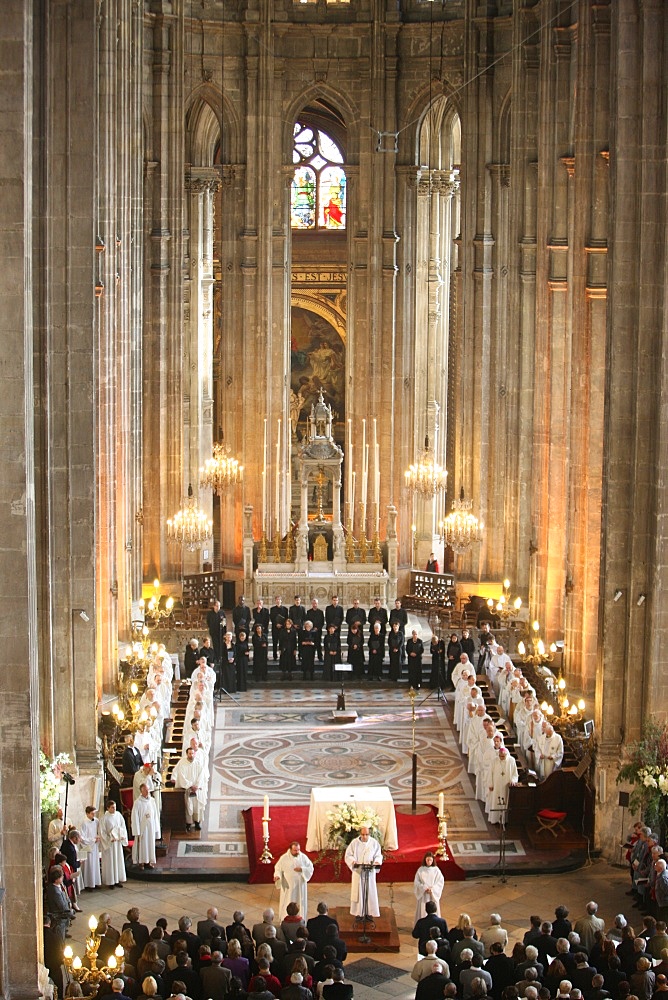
{"x": 352, "y": 504}
{"x": 278, "y": 475}
{"x": 265, "y": 830}
{"x": 441, "y": 803}
{"x": 265, "y": 815}
{"x": 264, "y": 480}
{"x": 349, "y": 462}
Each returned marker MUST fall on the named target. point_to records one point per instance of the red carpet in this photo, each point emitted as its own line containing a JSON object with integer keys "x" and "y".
{"x": 416, "y": 835}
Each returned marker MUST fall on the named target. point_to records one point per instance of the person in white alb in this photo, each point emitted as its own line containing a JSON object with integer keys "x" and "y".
{"x": 145, "y": 829}
{"x": 428, "y": 885}
{"x": 90, "y": 856}
{"x": 292, "y": 873}
{"x": 190, "y": 774}
{"x": 502, "y": 774}
{"x": 550, "y": 752}
{"x": 113, "y": 838}
{"x": 364, "y": 850}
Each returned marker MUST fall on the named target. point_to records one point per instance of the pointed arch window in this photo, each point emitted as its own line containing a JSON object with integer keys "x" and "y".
{"x": 318, "y": 192}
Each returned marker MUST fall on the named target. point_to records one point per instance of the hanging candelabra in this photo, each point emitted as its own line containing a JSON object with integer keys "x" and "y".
{"x": 91, "y": 974}
{"x": 426, "y": 478}
{"x": 221, "y": 472}
{"x": 505, "y": 606}
{"x": 461, "y": 527}
{"x": 190, "y": 526}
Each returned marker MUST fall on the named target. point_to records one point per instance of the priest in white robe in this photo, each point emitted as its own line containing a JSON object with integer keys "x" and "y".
{"x": 428, "y": 886}
{"x": 145, "y": 829}
{"x": 364, "y": 850}
{"x": 502, "y": 774}
{"x": 463, "y": 666}
{"x": 191, "y": 774}
{"x": 292, "y": 873}
{"x": 113, "y": 838}
{"x": 89, "y": 850}
{"x": 550, "y": 752}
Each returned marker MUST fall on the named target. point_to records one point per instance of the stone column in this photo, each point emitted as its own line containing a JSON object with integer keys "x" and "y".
{"x": 20, "y": 825}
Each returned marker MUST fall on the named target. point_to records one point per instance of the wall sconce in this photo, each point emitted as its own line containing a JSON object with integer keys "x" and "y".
{"x": 618, "y": 594}
{"x": 641, "y": 600}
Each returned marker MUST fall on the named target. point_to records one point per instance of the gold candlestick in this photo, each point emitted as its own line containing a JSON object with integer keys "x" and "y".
{"x": 442, "y": 851}
{"x": 266, "y": 857}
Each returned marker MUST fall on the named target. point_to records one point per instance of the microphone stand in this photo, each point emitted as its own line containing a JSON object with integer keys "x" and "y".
{"x": 364, "y": 873}
{"x": 502, "y": 841}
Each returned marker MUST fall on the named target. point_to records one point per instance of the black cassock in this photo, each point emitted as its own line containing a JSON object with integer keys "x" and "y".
{"x": 356, "y": 652}
{"x": 397, "y": 650}
{"x": 414, "y": 651}
{"x": 260, "y": 651}
{"x": 376, "y": 646}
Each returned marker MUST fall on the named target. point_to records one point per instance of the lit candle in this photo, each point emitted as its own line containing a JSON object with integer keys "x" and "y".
{"x": 278, "y": 474}
{"x": 441, "y": 803}
{"x": 265, "y": 814}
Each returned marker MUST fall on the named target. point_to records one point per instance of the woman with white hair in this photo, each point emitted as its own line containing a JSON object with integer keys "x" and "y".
{"x": 615, "y": 932}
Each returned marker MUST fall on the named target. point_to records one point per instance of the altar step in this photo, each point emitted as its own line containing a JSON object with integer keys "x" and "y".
{"x": 385, "y": 937}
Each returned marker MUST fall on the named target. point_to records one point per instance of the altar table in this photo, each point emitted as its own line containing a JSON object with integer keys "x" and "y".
{"x": 323, "y": 800}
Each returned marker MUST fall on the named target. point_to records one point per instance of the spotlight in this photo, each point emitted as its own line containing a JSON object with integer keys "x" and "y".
{"x": 618, "y": 594}
{"x": 641, "y": 600}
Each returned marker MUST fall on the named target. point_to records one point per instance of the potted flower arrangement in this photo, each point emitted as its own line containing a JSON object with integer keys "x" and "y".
{"x": 647, "y": 770}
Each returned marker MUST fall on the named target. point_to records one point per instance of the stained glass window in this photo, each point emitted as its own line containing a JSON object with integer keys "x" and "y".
{"x": 318, "y": 197}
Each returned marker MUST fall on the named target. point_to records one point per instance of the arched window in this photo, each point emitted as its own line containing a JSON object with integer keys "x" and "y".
{"x": 318, "y": 195}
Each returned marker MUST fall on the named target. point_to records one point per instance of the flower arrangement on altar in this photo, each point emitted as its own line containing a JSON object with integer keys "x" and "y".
{"x": 647, "y": 771}
{"x": 50, "y": 779}
{"x": 345, "y": 822}
{"x": 344, "y": 825}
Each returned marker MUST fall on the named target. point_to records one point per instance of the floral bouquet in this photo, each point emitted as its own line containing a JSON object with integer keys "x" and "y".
{"x": 647, "y": 771}
{"x": 50, "y": 776}
{"x": 344, "y": 825}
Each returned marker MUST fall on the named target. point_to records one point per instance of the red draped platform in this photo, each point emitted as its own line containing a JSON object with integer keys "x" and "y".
{"x": 416, "y": 835}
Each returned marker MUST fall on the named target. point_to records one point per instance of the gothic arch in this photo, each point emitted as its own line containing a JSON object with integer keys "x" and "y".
{"x": 204, "y": 127}
{"x": 341, "y": 103}
{"x": 332, "y": 310}
{"x": 419, "y": 109}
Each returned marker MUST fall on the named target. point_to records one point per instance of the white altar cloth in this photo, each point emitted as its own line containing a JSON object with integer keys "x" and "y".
{"x": 325, "y": 799}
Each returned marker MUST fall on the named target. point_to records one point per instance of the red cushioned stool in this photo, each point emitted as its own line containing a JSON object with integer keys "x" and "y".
{"x": 550, "y": 820}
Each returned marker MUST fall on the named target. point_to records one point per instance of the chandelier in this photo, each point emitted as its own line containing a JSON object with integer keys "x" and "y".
{"x": 504, "y": 606}
{"x": 537, "y": 655}
{"x": 461, "y": 528}
{"x": 426, "y": 477}
{"x": 220, "y": 472}
{"x": 190, "y": 526}
{"x": 91, "y": 974}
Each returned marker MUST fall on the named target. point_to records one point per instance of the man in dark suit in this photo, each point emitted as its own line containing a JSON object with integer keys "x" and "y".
{"x": 501, "y": 969}
{"x": 241, "y": 616}
{"x": 424, "y": 925}
{"x": 298, "y": 612}
{"x": 432, "y": 986}
{"x": 334, "y": 614}
{"x": 378, "y": 614}
{"x": 261, "y": 616}
{"x": 332, "y": 940}
{"x": 278, "y": 615}
{"x": 337, "y": 990}
{"x": 216, "y": 624}
{"x": 132, "y": 761}
{"x": 317, "y": 619}
{"x": 215, "y": 980}
{"x": 356, "y": 614}
{"x": 185, "y": 975}
{"x": 204, "y": 926}
{"x": 140, "y": 931}
{"x": 316, "y": 926}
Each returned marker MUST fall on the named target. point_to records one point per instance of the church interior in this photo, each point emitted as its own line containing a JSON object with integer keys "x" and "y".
{"x": 327, "y": 251}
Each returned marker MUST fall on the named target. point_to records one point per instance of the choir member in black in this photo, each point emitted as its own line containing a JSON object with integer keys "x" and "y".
{"x": 191, "y": 657}
{"x": 396, "y": 649}
{"x": 332, "y": 648}
{"x": 376, "y": 653}
{"x": 454, "y": 655}
{"x": 414, "y": 652}
{"x": 378, "y": 614}
{"x": 437, "y": 650}
{"x": 260, "y": 653}
{"x": 207, "y": 652}
{"x": 432, "y": 563}
{"x": 241, "y": 661}
{"x": 261, "y": 616}
{"x": 399, "y": 614}
{"x": 307, "y": 643}
{"x": 334, "y": 614}
{"x": 356, "y": 649}
{"x": 298, "y": 613}
{"x": 317, "y": 617}
{"x": 216, "y": 624}
{"x": 486, "y": 640}
{"x": 278, "y": 615}
{"x": 356, "y": 614}
{"x": 467, "y": 644}
{"x": 241, "y": 616}
{"x": 229, "y": 672}
{"x": 288, "y": 646}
